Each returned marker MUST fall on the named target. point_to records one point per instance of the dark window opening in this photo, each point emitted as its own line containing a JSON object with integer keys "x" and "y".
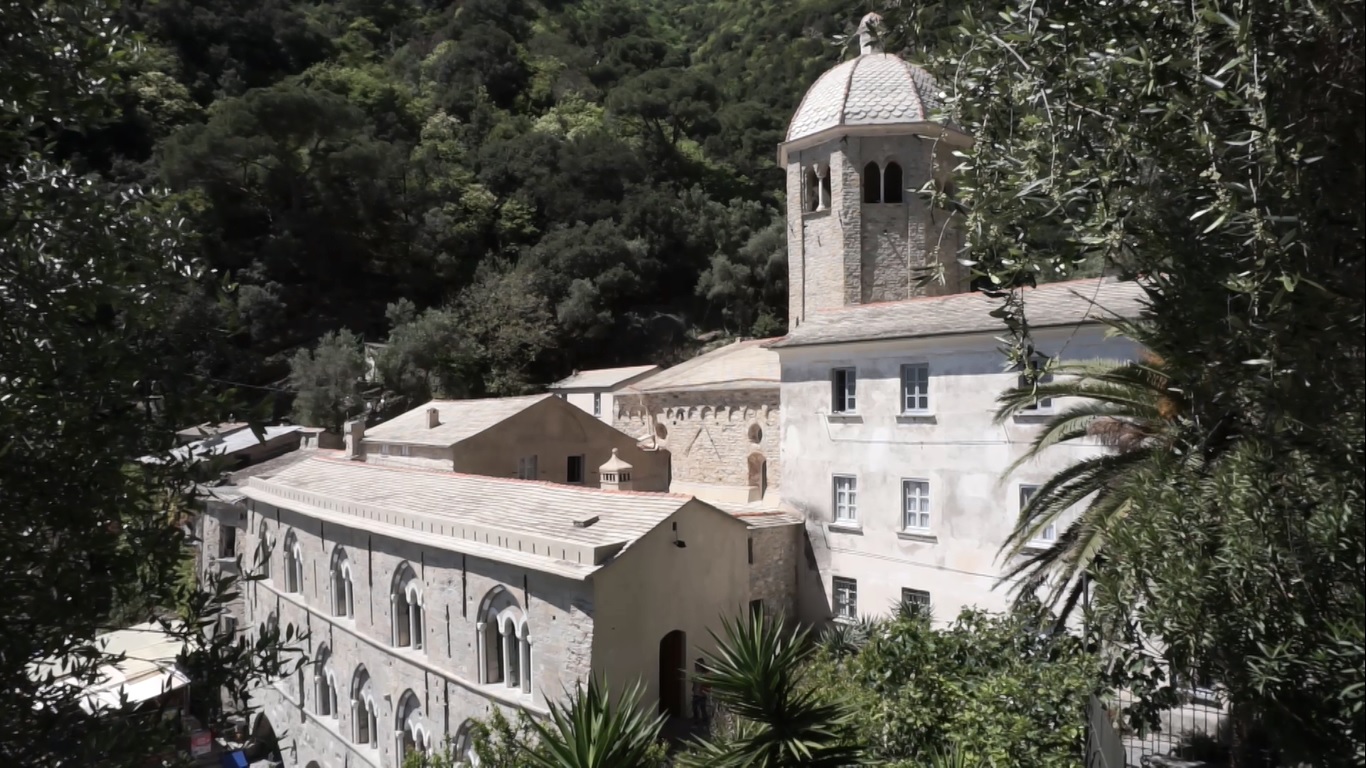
{"x": 891, "y": 183}
{"x": 872, "y": 183}
{"x": 574, "y": 472}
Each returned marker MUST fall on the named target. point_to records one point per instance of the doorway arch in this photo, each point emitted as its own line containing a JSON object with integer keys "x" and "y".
{"x": 758, "y": 473}
{"x": 673, "y": 663}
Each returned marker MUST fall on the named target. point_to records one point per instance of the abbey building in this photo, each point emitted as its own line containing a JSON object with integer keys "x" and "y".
{"x": 473, "y": 555}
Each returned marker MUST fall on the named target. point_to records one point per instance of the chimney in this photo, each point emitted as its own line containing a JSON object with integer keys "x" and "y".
{"x": 433, "y": 418}
{"x": 615, "y": 475}
{"x": 355, "y": 435}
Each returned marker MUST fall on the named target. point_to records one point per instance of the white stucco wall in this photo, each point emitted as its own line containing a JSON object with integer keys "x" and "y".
{"x": 958, "y": 449}
{"x": 583, "y": 399}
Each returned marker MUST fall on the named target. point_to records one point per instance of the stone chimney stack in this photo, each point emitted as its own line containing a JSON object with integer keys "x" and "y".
{"x": 355, "y": 435}
{"x": 433, "y": 418}
{"x": 615, "y": 475}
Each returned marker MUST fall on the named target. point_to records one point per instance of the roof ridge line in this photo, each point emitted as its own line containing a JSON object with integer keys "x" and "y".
{"x": 518, "y": 481}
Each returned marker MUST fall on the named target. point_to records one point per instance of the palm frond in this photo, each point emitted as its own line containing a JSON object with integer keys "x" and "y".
{"x": 753, "y": 673}
{"x": 589, "y": 730}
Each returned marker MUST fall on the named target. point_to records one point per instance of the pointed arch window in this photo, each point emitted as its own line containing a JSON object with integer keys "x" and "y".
{"x": 343, "y": 596}
{"x": 504, "y": 641}
{"x": 294, "y": 563}
{"x": 325, "y": 684}
{"x": 872, "y": 183}
{"x": 465, "y": 753}
{"x": 410, "y": 733}
{"x": 892, "y": 183}
{"x": 263, "y": 548}
{"x": 406, "y": 616}
{"x": 364, "y": 713}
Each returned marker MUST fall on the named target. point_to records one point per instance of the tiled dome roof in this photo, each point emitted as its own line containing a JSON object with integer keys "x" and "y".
{"x": 873, "y": 89}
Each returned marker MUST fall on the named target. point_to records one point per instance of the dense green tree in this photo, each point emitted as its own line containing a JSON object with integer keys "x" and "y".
{"x": 92, "y": 383}
{"x": 327, "y": 381}
{"x": 1000, "y": 690}
{"x": 1215, "y": 149}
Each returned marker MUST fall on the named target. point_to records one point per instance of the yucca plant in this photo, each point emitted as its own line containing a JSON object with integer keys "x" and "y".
{"x": 1133, "y": 408}
{"x": 755, "y": 675}
{"x": 590, "y": 730}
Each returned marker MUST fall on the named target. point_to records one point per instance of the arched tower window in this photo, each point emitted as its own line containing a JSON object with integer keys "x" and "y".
{"x": 294, "y": 563}
{"x": 825, "y": 188}
{"x": 411, "y": 734}
{"x": 263, "y": 548}
{"x": 364, "y": 713}
{"x": 811, "y": 189}
{"x": 891, "y": 183}
{"x": 324, "y": 684}
{"x": 505, "y": 641}
{"x": 872, "y": 183}
{"x": 343, "y": 596}
{"x": 406, "y": 601}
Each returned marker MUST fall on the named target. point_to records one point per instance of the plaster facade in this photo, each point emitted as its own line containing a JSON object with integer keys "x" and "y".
{"x": 550, "y": 431}
{"x": 954, "y": 448}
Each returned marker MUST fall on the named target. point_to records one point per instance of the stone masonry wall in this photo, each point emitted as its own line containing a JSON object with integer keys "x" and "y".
{"x": 773, "y": 572}
{"x": 857, "y": 253}
{"x": 709, "y": 433}
{"x": 444, "y": 675}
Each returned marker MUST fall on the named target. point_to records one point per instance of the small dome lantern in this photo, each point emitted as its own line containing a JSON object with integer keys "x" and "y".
{"x": 615, "y": 475}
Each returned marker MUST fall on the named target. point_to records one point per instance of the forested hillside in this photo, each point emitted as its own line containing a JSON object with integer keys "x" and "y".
{"x": 510, "y": 189}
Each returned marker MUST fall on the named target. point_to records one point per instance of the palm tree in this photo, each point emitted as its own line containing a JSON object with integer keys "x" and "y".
{"x": 755, "y": 675}
{"x": 1133, "y": 408}
{"x": 589, "y": 730}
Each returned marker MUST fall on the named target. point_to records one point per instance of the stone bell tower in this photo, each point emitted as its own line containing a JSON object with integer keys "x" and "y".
{"x": 862, "y": 143}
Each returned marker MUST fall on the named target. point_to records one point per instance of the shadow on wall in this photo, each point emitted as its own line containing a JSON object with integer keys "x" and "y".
{"x": 813, "y": 593}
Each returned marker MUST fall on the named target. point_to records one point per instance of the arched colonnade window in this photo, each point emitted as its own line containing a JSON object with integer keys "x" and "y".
{"x": 504, "y": 642}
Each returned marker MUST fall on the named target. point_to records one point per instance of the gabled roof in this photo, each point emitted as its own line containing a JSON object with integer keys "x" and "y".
{"x": 603, "y": 378}
{"x": 745, "y": 364}
{"x": 458, "y": 420}
{"x": 226, "y": 444}
{"x": 1050, "y": 305}
{"x": 563, "y": 529}
{"x": 149, "y": 667}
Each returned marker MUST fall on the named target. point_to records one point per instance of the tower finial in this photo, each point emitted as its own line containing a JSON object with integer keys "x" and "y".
{"x": 869, "y": 31}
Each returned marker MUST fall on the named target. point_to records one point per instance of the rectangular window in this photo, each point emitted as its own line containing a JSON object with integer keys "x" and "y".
{"x": 915, "y": 388}
{"x": 916, "y": 597}
{"x": 574, "y": 472}
{"x": 404, "y": 450}
{"x": 597, "y": 403}
{"x": 846, "y": 499}
{"x": 227, "y": 542}
{"x": 915, "y": 504}
{"x": 1049, "y": 534}
{"x": 1043, "y": 404}
{"x": 846, "y": 598}
{"x": 384, "y": 449}
{"x": 526, "y": 468}
{"x": 843, "y": 382}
